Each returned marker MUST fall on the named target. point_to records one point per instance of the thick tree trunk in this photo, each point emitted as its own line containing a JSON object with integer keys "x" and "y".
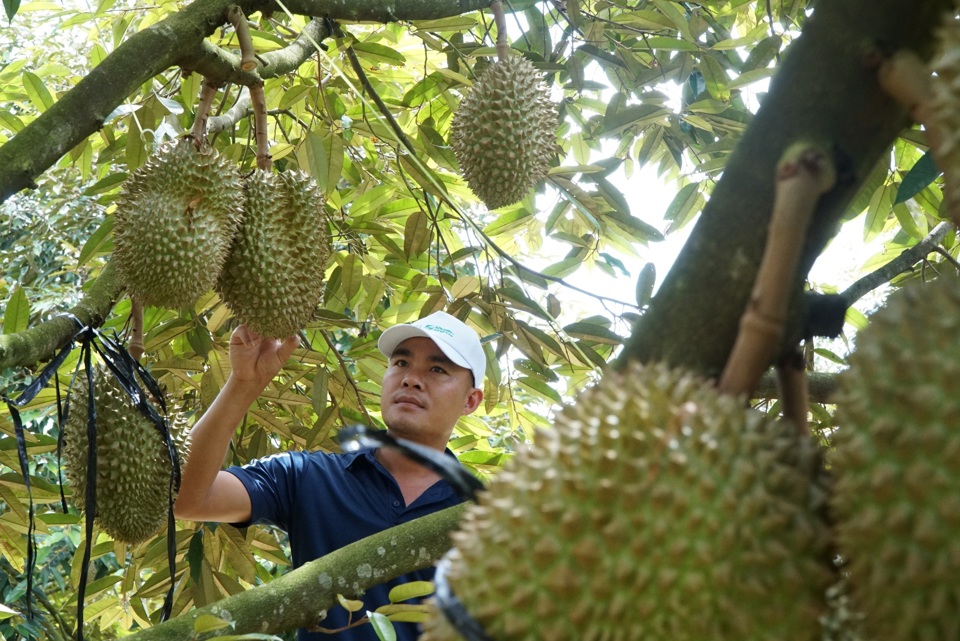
{"x": 826, "y": 90}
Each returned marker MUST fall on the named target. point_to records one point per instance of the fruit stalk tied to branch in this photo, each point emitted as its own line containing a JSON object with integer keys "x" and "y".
{"x": 248, "y": 56}
{"x": 199, "y": 130}
{"x": 805, "y": 172}
{"x": 908, "y": 80}
{"x": 259, "y": 104}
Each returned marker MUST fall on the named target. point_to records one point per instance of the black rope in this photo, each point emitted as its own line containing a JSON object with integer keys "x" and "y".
{"x": 12, "y": 404}
{"x": 452, "y": 608}
{"x": 126, "y": 370}
{"x": 90, "y": 497}
{"x": 466, "y": 485}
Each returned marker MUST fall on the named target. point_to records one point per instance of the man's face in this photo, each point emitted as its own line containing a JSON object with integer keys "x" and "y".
{"x": 425, "y": 393}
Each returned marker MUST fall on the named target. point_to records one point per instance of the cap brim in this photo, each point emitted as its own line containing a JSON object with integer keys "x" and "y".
{"x": 391, "y": 338}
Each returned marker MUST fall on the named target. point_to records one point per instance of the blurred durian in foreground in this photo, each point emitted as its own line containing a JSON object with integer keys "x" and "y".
{"x": 176, "y": 218}
{"x": 273, "y": 277}
{"x": 897, "y": 465}
{"x": 133, "y": 462}
{"x": 504, "y": 131}
{"x": 656, "y": 509}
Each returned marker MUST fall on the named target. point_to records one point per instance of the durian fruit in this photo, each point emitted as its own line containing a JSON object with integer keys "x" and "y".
{"x": 656, "y": 509}
{"x": 897, "y": 465}
{"x": 133, "y": 463}
{"x": 273, "y": 278}
{"x": 176, "y": 218}
{"x": 503, "y": 132}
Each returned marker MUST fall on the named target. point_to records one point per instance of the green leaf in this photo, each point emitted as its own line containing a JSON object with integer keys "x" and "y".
{"x": 100, "y": 241}
{"x": 5, "y": 612}
{"x": 378, "y": 52}
{"x": 16, "y": 318}
{"x": 645, "y": 283}
{"x": 683, "y": 206}
{"x": 416, "y": 234}
{"x": 634, "y": 115}
{"x": 593, "y": 332}
{"x": 920, "y": 176}
{"x": 350, "y": 605}
{"x": 11, "y": 7}
{"x": 411, "y": 590}
{"x": 38, "y": 93}
{"x": 209, "y": 623}
{"x": 318, "y": 393}
{"x": 541, "y": 388}
{"x": 382, "y": 626}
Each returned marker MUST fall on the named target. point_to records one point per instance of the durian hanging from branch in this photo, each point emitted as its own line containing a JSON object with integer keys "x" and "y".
{"x": 176, "y": 217}
{"x": 504, "y": 130}
{"x": 273, "y": 277}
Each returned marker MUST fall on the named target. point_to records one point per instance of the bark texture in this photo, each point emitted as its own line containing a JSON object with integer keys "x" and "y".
{"x": 825, "y": 90}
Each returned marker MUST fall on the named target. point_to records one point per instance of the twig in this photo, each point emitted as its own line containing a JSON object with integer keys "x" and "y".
{"x": 136, "y": 347}
{"x": 259, "y": 103}
{"x": 248, "y": 56}
{"x": 792, "y": 384}
{"x": 503, "y": 46}
{"x": 207, "y": 93}
{"x": 907, "y": 259}
{"x": 909, "y": 80}
{"x": 804, "y": 173}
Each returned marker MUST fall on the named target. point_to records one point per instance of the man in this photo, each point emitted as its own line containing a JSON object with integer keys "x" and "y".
{"x": 325, "y": 501}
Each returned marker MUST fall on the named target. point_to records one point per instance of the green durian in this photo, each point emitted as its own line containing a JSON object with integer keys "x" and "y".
{"x": 656, "y": 509}
{"x": 133, "y": 463}
{"x": 273, "y": 278}
{"x": 504, "y": 131}
{"x": 176, "y": 218}
{"x": 897, "y": 465}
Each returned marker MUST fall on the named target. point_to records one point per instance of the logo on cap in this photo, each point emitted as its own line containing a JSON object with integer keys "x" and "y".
{"x": 437, "y": 328}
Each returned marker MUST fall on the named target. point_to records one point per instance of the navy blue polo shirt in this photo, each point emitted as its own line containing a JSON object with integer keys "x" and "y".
{"x": 326, "y": 501}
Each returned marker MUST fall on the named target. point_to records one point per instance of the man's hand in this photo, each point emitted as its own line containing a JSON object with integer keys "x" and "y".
{"x": 256, "y": 360}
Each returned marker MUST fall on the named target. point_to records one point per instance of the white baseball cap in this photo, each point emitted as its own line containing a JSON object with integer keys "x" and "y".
{"x": 454, "y": 338}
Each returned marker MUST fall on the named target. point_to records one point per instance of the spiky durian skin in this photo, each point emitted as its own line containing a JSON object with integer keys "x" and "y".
{"x": 656, "y": 509}
{"x": 273, "y": 278}
{"x": 946, "y": 109}
{"x": 176, "y": 218}
{"x": 133, "y": 463}
{"x": 503, "y": 132}
{"x": 897, "y": 465}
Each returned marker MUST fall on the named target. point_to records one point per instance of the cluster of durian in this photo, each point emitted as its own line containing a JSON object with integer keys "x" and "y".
{"x": 503, "y": 132}
{"x": 187, "y": 223}
{"x": 896, "y": 499}
{"x": 133, "y": 463}
{"x": 656, "y": 509}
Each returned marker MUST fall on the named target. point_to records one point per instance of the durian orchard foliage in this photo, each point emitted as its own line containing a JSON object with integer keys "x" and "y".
{"x": 363, "y": 102}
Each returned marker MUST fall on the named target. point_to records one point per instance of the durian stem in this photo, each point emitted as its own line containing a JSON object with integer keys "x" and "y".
{"x": 207, "y": 93}
{"x": 908, "y": 80}
{"x": 792, "y": 384}
{"x": 259, "y": 104}
{"x": 248, "y": 55}
{"x": 136, "y": 347}
{"x": 804, "y": 173}
{"x": 500, "y": 19}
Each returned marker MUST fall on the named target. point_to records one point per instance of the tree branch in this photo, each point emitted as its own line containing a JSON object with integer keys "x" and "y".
{"x": 178, "y": 40}
{"x": 31, "y": 346}
{"x": 300, "y": 598}
{"x": 907, "y": 259}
